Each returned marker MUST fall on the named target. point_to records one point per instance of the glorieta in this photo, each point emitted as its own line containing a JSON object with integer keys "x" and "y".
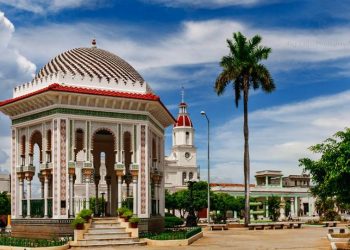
{"x": 99, "y": 130}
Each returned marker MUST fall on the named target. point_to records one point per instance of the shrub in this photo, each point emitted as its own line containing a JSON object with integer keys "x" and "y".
{"x": 85, "y": 214}
{"x": 330, "y": 215}
{"x": 127, "y": 214}
{"x": 134, "y": 219}
{"x": 78, "y": 223}
{"x": 193, "y": 231}
{"x": 122, "y": 210}
{"x": 172, "y": 221}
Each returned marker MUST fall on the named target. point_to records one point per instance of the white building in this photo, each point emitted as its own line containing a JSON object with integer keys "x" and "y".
{"x": 85, "y": 106}
{"x": 181, "y": 164}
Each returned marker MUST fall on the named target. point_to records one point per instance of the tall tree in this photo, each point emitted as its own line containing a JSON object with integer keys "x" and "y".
{"x": 331, "y": 172}
{"x": 243, "y": 69}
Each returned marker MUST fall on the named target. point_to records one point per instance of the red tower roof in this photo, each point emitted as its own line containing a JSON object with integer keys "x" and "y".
{"x": 183, "y": 119}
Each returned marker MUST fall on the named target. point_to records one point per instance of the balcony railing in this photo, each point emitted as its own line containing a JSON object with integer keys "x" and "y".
{"x": 37, "y": 208}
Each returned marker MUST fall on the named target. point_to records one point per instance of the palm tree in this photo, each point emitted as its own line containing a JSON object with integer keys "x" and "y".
{"x": 243, "y": 69}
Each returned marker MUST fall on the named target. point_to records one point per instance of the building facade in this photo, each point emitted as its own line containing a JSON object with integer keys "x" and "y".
{"x": 181, "y": 164}
{"x": 5, "y": 183}
{"x": 272, "y": 183}
{"x": 95, "y": 120}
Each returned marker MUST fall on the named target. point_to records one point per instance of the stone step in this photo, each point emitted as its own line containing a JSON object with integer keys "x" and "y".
{"x": 104, "y": 218}
{"x": 90, "y": 242}
{"x": 105, "y": 225}
{"x": 105, "y": 222}
{"x": 104, "y": 245}
{"x": 106, "y": 230}
{"x": 90, "y": 236}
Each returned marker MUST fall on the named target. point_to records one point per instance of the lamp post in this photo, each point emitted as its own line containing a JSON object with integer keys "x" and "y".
{"x": 208, "y": 212}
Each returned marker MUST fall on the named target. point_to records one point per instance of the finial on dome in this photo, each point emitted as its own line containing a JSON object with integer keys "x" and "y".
{"x": 93, "y": 43}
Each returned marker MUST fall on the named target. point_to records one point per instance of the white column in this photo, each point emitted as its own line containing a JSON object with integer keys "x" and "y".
{"x": 296, "y": 206}
{"x": 134, "y": 193}
{"x": 20, "y": 197}
{"x": 87, "y": 195}
{"x": 71, "y": 194}
{"x": 119, "y": 180}
{"x": 46, "y": 195}
{"x": 29, "y": 195}
{"x": 266, "y": 181}
{"x": 109, "y": 211}
{"x": 292, "y": 208}
{"x": 157, "y": 197}
{"x": 267, "y": 207}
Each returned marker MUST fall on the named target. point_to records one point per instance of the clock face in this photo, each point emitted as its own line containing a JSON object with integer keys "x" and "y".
{"x": 187, "y": 155}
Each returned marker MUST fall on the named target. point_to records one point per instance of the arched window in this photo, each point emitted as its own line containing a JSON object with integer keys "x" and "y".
{"x": 187, "y": 138}
{"x": 190, "y": 176}
{"x": 184, "y": 176}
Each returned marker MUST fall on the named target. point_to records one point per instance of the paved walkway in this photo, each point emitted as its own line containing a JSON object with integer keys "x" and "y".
{"x": 307, "y": 238}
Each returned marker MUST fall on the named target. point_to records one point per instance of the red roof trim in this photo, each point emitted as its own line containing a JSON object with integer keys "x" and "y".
{"x": 229, "y": 185}
{"x": 80, "y": 90}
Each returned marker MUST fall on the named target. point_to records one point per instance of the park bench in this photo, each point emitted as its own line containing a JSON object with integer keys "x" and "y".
{"x": 218, "y": 226}
{"x": 340, "y": 230}
{"x": 276, "y": 225}
{"x": 330, "y": 223}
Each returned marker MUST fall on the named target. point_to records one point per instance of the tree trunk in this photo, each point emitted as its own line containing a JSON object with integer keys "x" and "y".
{"x": 246, "y": 154}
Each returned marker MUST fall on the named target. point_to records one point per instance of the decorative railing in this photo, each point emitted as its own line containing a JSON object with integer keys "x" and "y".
{"x": 37, "y": 207}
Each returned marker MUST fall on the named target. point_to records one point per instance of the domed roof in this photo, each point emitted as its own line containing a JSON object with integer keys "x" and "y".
{"x": 91, "y": 62}
{"x": 183, "y": 119}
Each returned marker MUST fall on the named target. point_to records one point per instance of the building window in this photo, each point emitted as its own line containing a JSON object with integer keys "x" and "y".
{"x": 187, "y": 138}
{"x": 190, "y": 176}
{"x": 184, "y": 175}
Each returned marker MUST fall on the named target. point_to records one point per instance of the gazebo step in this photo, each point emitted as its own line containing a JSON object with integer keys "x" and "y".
{"x": 91, "y": 236}
{"x": 89, "y": 242}
{"x": 104, "y": 245}
{"x": 105, "y": 225}
{"x": 106, "y": 230}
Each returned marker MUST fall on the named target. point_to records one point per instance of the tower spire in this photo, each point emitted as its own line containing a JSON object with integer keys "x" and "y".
{"x": 182, "y": 94}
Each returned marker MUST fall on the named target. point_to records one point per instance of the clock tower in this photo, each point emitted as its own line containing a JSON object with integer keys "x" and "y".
{"x": 181, "y": 164}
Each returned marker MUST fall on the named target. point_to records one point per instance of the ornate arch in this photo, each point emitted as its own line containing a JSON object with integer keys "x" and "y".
{"x": 100, "y": 129}
{"x": 36, "y": 138}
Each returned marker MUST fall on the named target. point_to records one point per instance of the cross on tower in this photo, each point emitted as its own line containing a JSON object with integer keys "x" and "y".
{"x": 182, "y": 94}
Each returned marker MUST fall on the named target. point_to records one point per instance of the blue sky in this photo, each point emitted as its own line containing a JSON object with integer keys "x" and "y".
{"x": 179, "y": 42}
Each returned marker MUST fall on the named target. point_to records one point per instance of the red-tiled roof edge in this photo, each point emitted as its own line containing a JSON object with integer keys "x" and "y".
{"x": 62, "y": 88}
{"x": 229, "y": 185}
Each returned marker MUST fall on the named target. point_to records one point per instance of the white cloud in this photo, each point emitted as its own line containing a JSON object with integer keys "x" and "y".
{"x": 44, "y": 6}
{"x": 209, "y": 3}
{"x": 279, "y": 136}
{"x": 196, "y": 42}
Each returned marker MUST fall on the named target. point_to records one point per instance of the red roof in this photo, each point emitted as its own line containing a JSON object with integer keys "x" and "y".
{"x": 80, "y": 90}
{"x": 183, "y": 120}
{"x": 229, "y": 185}
{"x": 88, "y": 91}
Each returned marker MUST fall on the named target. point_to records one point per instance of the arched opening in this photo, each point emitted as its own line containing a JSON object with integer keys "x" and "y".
{"x": 23, "y": 150}
{"x": 190, "y": 176}
{"x": 187, "y": 138}
{"x": 79, "y": 142}
{"x": 48, "y": 148}
{"x": 127, "y": 161}
{"x": 36, "y": 138}
{"x": 154, "y": 153}
{"x": 184, "y": 176}
{"x": 103, "y": 162}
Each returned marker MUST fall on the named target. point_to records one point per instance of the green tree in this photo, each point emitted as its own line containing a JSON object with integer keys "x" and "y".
{"x": 243, "y": 69}
{"x": 170, "y": 202}
{"x": 274, "y": 207}
{"x": 331, "y": 172}
{"x": 5, "y": 204}
{"x": 182, "y": 201}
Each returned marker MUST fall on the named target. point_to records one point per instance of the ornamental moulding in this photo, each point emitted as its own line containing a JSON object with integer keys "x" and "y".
{"x": 69, "y": 111}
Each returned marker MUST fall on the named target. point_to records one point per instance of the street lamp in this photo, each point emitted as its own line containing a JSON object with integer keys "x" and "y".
{"x": 208, "y": 212}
